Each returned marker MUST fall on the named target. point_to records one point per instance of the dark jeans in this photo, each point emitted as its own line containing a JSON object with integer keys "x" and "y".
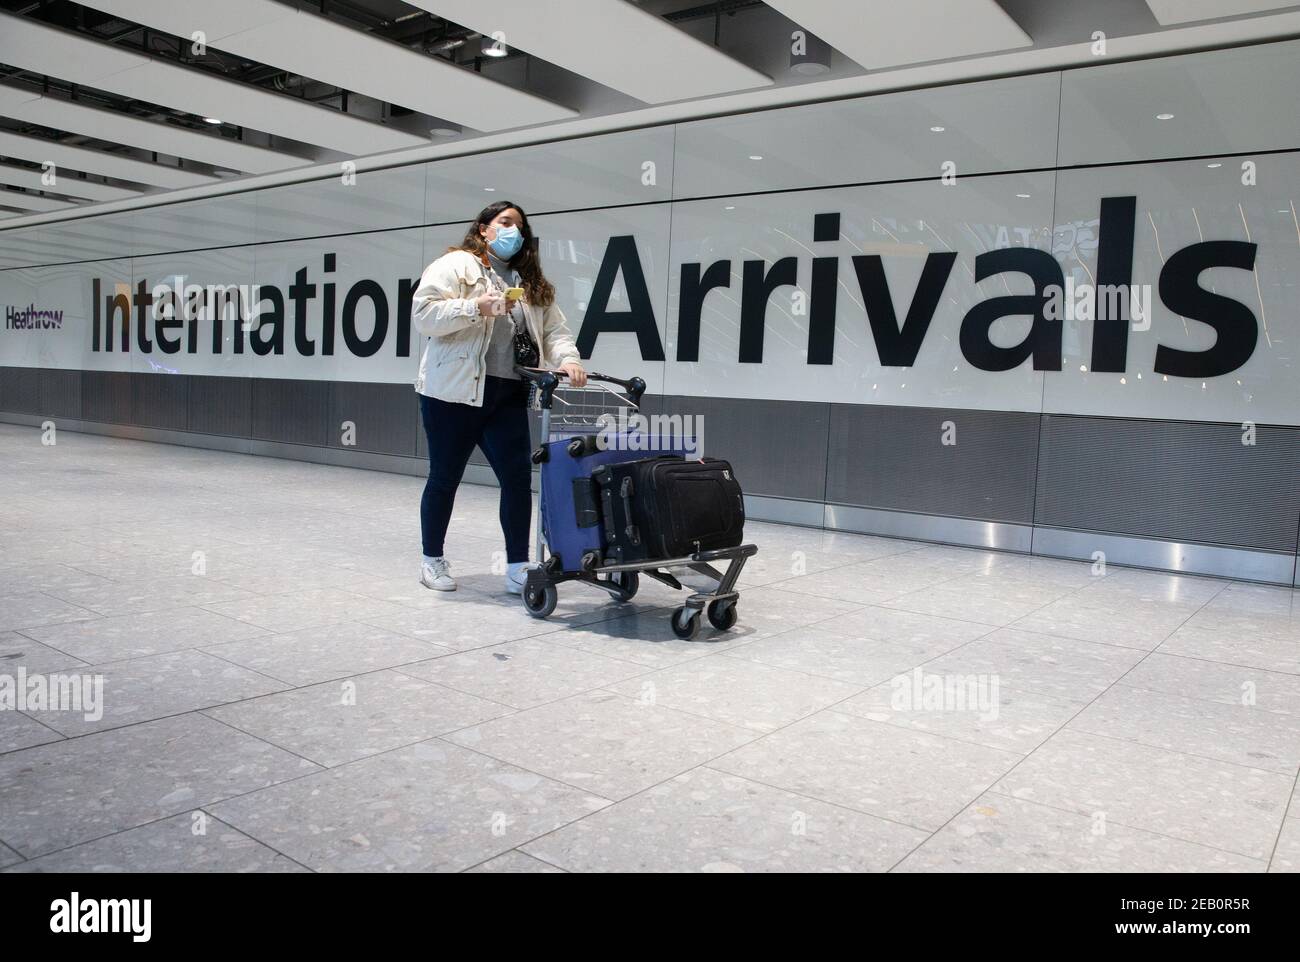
{"x": 500, "y": 428}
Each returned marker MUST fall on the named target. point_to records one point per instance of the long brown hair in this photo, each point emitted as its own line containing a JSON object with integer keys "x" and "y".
{"x": 537, "y": 289}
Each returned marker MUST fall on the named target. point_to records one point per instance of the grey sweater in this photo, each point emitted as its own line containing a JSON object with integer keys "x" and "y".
{"x": 501, "y": 352}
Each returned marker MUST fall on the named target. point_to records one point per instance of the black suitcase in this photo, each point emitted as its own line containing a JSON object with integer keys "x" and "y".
{"x": 668, "y": 507}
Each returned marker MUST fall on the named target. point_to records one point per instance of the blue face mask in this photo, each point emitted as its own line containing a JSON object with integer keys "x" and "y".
{"x": 507, "y": 242}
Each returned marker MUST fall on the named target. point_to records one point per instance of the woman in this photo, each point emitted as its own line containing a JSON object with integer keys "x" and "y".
{"x": 469, "y": 391}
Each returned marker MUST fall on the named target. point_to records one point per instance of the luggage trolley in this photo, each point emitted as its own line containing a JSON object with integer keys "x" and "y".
{"x": 577, "y": 420}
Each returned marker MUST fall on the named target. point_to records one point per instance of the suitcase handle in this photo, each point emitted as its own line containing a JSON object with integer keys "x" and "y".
{"x": 548, "y": 381}
{"x": 625, "y": 492}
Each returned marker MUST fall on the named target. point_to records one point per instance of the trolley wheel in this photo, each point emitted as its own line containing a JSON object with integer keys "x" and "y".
{"x": 627, "y": 583}
{"x": 540, "y": 600}
{"x": 686, "y": 623}
{"x": 722, "y": 615}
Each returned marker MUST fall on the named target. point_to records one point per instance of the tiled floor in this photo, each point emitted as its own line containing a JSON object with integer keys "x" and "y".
{"x": 280, "y": 694}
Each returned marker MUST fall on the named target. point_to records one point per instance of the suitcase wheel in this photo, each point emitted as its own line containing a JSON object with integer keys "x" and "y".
{"x": 686, "y": 623}
{"x": 722, "y": 615}
{"x": 540, "y": 600}
{"x": 627, "y": 583}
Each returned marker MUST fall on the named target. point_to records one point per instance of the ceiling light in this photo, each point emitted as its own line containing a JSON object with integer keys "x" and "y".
{"x": 489, "y": 188}
{"x": 755, "y": 156}
{"x": 493, "y": 47}
{"x": 937, "y": 130}
{"x": 211, "y": 120}
{"x": 815, "y": 58}
{"x": 1164, "y": 116}
{"x": 1212, "y": 166}
{"x": 1026, "y": 196}
{"x": 444, "y": 131}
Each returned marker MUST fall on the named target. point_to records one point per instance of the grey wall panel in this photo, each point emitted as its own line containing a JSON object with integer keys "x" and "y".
{"x": 379, "y": 412}
{"x": 894, "y": 458}
{"x": 778, "y": 448}
{"x": 293, "y": 411}
{"x": 221, "y": 405}
{"x": 1218, "y": 561}
{"x": 20, "y": 390}
{"x": 160, "y": 401}
{"x": 60, "y": 393}
{"x": 1173, "y": 480}
{"x": 106, "y": 396}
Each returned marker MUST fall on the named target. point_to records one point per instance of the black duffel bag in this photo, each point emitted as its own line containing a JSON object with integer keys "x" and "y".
{"x": 669, "y": 507}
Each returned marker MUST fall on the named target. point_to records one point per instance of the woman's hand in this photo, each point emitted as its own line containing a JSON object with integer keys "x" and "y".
{"x": 491, "y": 304}
{"x": 577, "y": 376}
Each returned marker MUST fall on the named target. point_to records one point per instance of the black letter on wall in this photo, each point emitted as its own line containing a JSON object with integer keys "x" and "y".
{"x": 620, "y": 254}
{"x": 1233, "y": 321}
{"x": 757, "y": 289}
{"x": 899, "y": 347}
{"x": 1114, "y": 267}
{"x": 690, "y": 304}
{"x": 375, "y": 292}
{"x": 1043, "y": 342}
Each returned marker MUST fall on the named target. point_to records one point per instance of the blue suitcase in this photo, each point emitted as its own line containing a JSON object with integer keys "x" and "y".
{"x": 570, "y": 501}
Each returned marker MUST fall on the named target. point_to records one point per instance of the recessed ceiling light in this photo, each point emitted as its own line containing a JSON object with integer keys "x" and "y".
{"x": 755, "y": 156}
{"x": 1164, "y": 116}
{"x": 937, "y": 130}
{"x": 443, "y": 131}
{"x": 730, "y": 207}
{"x": 1212, "y": 166}
{"x": 211, "y": 120}
{"x": 493, "y": 48}
{"x": 1023, "y": 195}
{"x": 809, "y": 68}
{"x": 489, "y": 188}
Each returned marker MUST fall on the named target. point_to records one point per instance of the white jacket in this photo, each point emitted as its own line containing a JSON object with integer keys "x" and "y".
{"x": 453, "y": 366}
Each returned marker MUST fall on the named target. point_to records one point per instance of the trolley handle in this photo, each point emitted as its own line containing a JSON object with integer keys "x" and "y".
{"x": 548, "y": 381}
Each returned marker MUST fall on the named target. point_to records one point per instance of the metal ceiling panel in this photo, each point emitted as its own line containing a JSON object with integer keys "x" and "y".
{"x": 615, "y": 44}
{"x": 328, "y": 51}
{"x": 118, "y": 128}
{"x": 69, "y": 56}
{"x": 887, "y": 33}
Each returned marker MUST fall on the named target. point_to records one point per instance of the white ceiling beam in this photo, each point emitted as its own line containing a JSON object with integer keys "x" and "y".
{"x": 889, "y": 33}
{"x": 118, "y": 128}
{"x": 70, "y": 56}
{"x": 1169, "y": 12}
{"x": 615, "y": 44}
{"x": 314, "y": 46}
{"x": 39, "y": 150}
{"x": 1157, "y": 43}
{"x": 12, "y": 198}
{"x": 64, "y": 184}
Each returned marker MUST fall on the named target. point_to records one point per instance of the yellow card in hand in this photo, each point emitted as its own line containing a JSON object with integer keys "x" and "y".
{"x": 514, "y": 293}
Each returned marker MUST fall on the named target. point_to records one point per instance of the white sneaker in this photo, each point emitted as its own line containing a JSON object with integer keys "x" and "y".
{"x": 436, "y": 574}
{"x": 517, "y": 574}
